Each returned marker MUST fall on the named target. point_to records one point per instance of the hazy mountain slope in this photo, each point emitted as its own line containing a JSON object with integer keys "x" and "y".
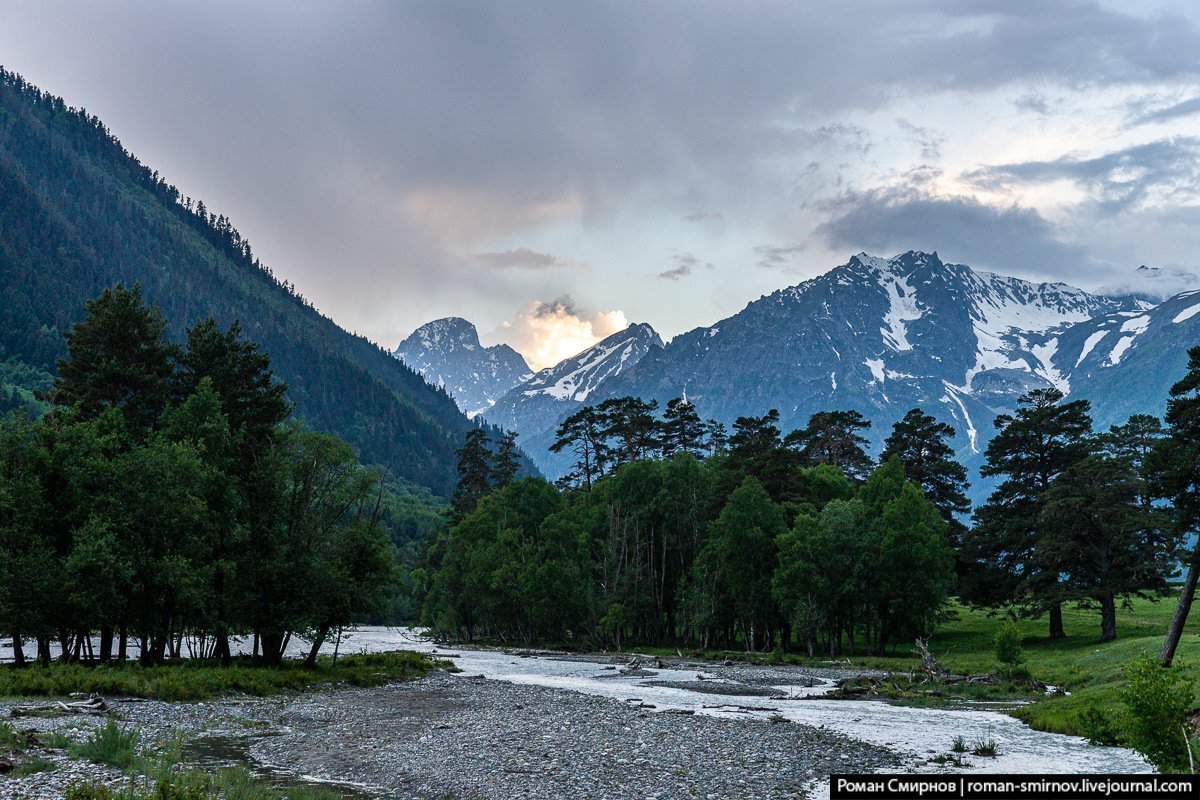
{"x": 78, "y": 213}
{"x": 447, "y": 353}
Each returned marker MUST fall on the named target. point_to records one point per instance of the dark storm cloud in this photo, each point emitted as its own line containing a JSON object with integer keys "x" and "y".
{"x": 1115, "y": 181}
{"x": 685, "y": 264}
{"x": 1006, "y": 239}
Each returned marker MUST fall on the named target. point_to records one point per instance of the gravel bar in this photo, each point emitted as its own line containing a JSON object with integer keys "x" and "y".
{"x": 444, "y": 736}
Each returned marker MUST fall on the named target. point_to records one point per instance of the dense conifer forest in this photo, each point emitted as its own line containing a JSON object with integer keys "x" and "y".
{"x": 79, "y": 213}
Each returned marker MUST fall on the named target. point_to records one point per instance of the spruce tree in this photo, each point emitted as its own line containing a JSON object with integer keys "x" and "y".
{"x": 506, "y": 460}
{"x": 474, "y": 473}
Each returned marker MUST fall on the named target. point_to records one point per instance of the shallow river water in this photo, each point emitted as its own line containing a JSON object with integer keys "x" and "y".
{"x": 919, "y": 733}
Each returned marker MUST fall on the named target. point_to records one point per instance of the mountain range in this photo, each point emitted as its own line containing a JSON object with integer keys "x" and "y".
{"x": 884, "y": 335}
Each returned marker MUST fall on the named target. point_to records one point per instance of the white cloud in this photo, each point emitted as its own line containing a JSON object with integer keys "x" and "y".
{"x": 546, "y": 333}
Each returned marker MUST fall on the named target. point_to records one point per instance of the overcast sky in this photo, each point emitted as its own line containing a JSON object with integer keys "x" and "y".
{"x": 552, "y": 170}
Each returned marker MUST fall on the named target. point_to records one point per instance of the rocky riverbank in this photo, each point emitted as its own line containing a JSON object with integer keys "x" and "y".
{"x": 451, "y": 736}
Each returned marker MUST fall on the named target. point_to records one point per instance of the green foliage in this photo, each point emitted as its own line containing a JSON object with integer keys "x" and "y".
{"x": 33, "y": 765}
{"x": 959, "y": 745}
{"x": 196, "y": 516}
{"x": 985, "y": 747}
{"x": 194, "y": 680}
{"x": 1030, "y": 450}
{"x": 1008, "y": 648}
{"x": 111, "y": 745}
{"x": 1158, "y": 702}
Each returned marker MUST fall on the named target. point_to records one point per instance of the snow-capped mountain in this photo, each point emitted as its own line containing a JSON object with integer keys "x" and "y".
{"x": 884, "y": 335}
{"x": 535, "y": 407}
{"x": 880, "y": 336}
{"x": 447, "y": 353}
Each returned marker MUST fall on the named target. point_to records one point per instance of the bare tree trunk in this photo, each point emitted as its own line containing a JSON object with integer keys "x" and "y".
{"x": 18, "y": 650}
{"x": 1175, "y": 631}
{"x": 106, "y": 637}
{"x": 1108, "y": 618}
{"x": 1056, "y": 622}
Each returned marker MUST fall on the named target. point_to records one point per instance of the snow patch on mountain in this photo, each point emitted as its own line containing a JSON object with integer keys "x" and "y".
{"x": 903, "y": 309}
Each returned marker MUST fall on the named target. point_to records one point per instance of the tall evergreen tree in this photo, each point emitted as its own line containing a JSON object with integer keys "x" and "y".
{"x": 922, "y": 445}
{"x": 583, "y": 434}
{"x": 682, "y": 429}
{"x": 1176, "y": 460}
{"x": 506, "y": 460}
{"x": 1095, "y": 525}
{"x": 630, "y": 423}
{"x": 240, "y": 374}
{"x": 1044, "y": 438}
{"x": 474, "y": 473}
{"x": 834, "y": 438}
{"x": 117, "y": 357}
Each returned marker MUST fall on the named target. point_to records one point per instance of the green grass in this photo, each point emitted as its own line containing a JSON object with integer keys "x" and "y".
{"x": 32, "y": 765}
{"x": 1090, "y": 671}
{"x": 196, "y": 680}
{"x": 161, "y": 777}
{"x": 111, "y": 745}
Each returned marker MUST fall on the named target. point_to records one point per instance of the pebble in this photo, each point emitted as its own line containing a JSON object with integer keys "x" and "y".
{"x": 472, "y": 739}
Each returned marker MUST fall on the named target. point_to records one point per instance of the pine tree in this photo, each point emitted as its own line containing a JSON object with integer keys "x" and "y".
{"x": 1176, "y": 460}
{"x": 583, "y": 434}
{"x": 682, "y": 429}
{"x": 834, "y": 438}
{"x": 630, "y": 422}
{"x": 117, "y": 357}
{"x": 1032, "y": 448}
{"x": 474, "y": 474}
{"x": 1110, "y": 545}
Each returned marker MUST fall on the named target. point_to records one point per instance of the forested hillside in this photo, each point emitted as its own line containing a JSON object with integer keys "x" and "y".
{"x": 78, "y": 213}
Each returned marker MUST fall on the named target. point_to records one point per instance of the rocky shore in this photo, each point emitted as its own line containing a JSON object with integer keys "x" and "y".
{"x": 446, "y": 736}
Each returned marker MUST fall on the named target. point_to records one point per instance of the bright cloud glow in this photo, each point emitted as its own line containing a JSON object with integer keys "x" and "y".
{"x": 546, "y": 333}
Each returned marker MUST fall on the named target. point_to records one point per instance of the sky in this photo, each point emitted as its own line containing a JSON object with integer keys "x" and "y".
{"x": 553, "y": 171}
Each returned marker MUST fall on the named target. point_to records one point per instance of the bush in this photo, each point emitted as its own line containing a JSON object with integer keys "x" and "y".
{"x": 1158, "y": 701}
{"x": 1007, "y": 643}
{"x": 1098, "y": 727}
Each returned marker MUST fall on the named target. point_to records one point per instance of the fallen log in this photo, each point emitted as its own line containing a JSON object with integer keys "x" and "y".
{"x": 92, "y": 706}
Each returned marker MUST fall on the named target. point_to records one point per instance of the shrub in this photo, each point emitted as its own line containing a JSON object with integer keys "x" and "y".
{"x": 1007, "y": 643}
{"x": 1098, "y": 727}
{"x": 1158, "y": 701}
{"x": 959, "y": 745}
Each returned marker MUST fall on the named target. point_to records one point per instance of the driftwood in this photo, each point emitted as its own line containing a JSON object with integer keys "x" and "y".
{"x": 93, "y": 706}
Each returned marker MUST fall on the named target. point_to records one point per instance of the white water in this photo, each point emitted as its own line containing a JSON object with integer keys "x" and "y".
{"x": 917, "y": 733}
